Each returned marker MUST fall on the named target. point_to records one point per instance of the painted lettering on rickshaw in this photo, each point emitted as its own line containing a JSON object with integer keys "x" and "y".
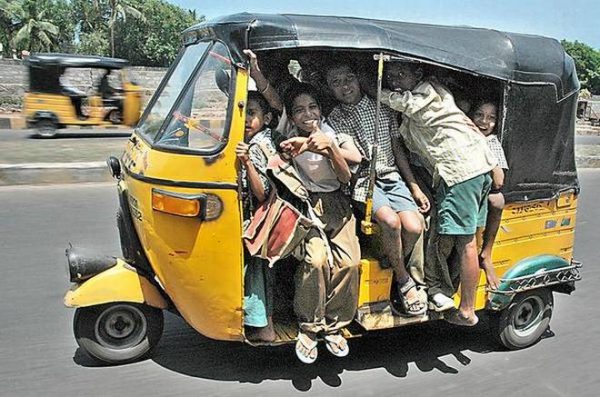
{"x": 135, "y": 159}
{"x": 128, "y": 162}
{"x": 133, "y": 205}
{"x": 528, "y": 209}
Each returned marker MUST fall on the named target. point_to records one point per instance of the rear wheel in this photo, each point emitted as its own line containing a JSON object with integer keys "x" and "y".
{"x": 115, "y": 116}
{"x": 525, "y": 320}
{"x": 46, "y": 128}
{"x": 118, "y": 332}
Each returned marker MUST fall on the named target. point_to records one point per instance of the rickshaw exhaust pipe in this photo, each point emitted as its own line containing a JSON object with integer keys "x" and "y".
{"x": 83, "y": 265}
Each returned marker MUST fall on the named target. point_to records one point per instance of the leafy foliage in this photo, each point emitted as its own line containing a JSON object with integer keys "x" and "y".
{"x": 96, "y": 43}
{"x": 27, "y": 25}
{"x": 145, "y": 32}
{"x": 587, "y": 63}
{"x": 140, "y": 40}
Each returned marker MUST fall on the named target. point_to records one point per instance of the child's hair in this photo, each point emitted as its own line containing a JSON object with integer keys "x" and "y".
{"x": 295, "y": 91}
{"x": 483, "y": 101}
{"x": 339, "y": 62}
{"x": 264, "y": 106}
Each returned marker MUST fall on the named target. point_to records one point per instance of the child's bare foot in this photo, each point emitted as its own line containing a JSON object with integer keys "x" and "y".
{"x": 461, "y": 319}
{"x": 492, "y": 280}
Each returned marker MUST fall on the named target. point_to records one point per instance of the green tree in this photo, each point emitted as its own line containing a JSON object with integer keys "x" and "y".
{"x": 9, "y": 12}
{"x": 90, "y": 16}
{"x": 60, "y": 13}
{"x": 119, "y": 9}
{"x": 93, "y": 43}
{"x": 155, "y": 40}
{"x": 587, "y": 64}
{"x": 30, "y": 28}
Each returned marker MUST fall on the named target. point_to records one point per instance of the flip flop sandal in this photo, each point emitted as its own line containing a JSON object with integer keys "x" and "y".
{"x": 456, "y": 319}
{"x": 415, "y": 306}
{"x": 310, "y": 347}
{"x": 440, "y": 303}
{"x": 333, "y": 342}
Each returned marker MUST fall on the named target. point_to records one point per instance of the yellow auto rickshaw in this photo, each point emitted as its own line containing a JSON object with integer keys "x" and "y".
{"x": 51, "y": 103}
{"x": 180, "y": 215}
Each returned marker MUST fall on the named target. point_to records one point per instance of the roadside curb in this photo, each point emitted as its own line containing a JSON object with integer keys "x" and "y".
{"x": 12, "y": 123}
{"x": 587, "y": 161}
{"x": 53, "y": 173}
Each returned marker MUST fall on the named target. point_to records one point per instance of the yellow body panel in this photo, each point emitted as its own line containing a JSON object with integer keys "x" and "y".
{"x": 132, "y": 103}
{"x": 199, "y": 262}
{"x": 375, "y": 282}
{"x": 60, "y": 105}
{"x": 530, "y": 229}
{"x": 120, "y": 283}
{"x": 527, "y": 229}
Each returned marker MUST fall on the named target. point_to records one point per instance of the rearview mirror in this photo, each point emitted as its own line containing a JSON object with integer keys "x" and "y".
{"x": 222, "y": 80}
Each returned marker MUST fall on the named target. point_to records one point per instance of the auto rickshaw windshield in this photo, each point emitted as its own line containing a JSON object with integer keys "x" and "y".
{"x": 165, "y": 98}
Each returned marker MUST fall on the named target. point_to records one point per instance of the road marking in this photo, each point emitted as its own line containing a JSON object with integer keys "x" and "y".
{"x": 56, "y": 186}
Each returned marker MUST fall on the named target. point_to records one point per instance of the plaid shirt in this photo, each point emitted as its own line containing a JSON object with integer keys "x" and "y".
{"x": 259, "y": 159}
{"x": 358, "y": 121}
{"x": 496, "y": 148}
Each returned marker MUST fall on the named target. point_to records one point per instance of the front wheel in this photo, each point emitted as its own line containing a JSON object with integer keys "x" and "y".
{"x": 117, "y": 333}
{"x": 46, "y": 128}
{"x": 525, "y": 320}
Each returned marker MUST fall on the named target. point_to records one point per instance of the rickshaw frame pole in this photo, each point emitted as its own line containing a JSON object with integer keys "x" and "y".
{"x": 367, "y": 226}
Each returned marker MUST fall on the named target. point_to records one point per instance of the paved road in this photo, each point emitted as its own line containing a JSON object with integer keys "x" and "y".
{"x": 39, "y": 356}
{"x": 20, "y": 135}
{"x": 587, "y": 140}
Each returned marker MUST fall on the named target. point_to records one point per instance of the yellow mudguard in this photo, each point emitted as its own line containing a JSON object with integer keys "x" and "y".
{"x": 120, "y": 283}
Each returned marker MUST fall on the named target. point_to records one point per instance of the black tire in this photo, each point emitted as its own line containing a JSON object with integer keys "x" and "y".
{"x": 119, "y": 332}
{"x": 46, "y": 128}
{"x": 525, "y": 320}
{"x": 115, "y": 116}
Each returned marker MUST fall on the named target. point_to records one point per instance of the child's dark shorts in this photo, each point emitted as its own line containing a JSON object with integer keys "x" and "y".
{"x": 462, "y": 208}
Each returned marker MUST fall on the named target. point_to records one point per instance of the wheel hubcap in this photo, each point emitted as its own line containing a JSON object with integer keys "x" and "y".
{"x": 528, "y": 316}
{"x": 121, "y": 326}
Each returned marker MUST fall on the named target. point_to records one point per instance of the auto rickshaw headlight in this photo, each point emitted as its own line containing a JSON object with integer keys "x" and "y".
{"x": 178, "y": 204}
{"x": 83, "y": 265}
{"x": 203, "y": 206}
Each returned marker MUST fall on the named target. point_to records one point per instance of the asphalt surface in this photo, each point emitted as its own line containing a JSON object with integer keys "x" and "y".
{"x": 39, "y": 355}
{"x": 22, "y": 146}
{"x": 19, "y": 135}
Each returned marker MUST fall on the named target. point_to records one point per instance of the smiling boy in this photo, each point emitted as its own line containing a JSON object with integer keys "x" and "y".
{"x": 394, "y": 206}
{"x": 459, "y": 159}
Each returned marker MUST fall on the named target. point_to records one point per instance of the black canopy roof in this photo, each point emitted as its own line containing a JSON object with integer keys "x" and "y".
{"x": 507, "y": 56}
{"x": 540, "y": 93}
{"x": 75, "y": 61}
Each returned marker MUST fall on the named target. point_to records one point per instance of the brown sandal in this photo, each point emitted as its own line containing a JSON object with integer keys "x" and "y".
{"x": 415, "y": 306}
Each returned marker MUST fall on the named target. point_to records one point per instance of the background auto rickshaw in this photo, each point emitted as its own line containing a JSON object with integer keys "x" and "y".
{"x": 180, "y": 216}
{"x": 52, "y": 103}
